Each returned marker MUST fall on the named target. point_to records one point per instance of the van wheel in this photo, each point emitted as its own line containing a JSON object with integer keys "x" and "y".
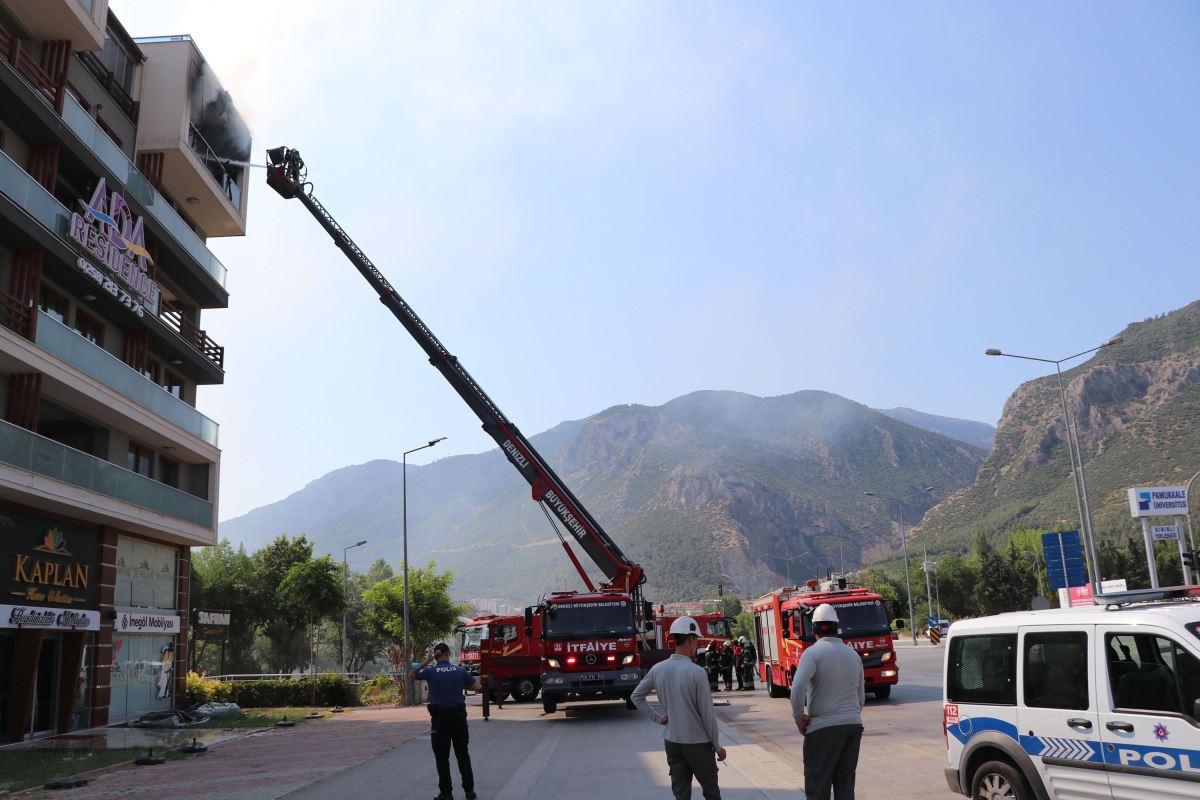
{"x": 524, "y": 689}
{"x": 549, "y": 706}
{"x": 883, "y": 692}
{"x": 772, "y": 689}
{"x": 999, "y": 780}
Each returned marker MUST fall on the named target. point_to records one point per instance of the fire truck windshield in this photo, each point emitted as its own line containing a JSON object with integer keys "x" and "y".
{"x": 862, "y": 618}
{"x": 471, "y": 637}
{"x": 596, "y": 618}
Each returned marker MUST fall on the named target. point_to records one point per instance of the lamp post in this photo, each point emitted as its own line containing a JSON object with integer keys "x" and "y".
{"x": 1076, "y": 456}
{"x": 787, "y": 560}
{"x": 925, "y": 568}
{"x": 408, "y": 684}
{"x": 345, "y": 583}
{"x": 1187, "y": 494}
{"x": 904, "y": 542}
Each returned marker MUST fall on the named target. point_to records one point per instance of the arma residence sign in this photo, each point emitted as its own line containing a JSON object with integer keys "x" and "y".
{"x": 116, "y": 244}
{"x": 1158, "y": 501}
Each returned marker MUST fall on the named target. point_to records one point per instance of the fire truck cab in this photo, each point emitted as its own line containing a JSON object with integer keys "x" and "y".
{"x": 783, "y": 629}
{"x": 496, "y": 646}
{"x": 714, "y": 629}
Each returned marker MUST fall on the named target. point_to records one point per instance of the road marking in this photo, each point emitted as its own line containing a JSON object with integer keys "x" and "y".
{"x": 922, "y": 751}
{"x": 521, "y": 783}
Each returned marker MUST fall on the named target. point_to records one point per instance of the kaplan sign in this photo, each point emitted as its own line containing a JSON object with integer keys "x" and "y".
{"x": 1158, "y": 501}
{"x": 108, "y": 231}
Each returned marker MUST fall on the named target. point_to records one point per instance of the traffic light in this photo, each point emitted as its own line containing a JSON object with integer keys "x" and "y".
{"x": 720, "y": 590}
{"x": 1191, "y": 559}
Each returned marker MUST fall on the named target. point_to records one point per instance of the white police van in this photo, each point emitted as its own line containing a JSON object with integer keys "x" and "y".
{"x": 1099, "y": 702}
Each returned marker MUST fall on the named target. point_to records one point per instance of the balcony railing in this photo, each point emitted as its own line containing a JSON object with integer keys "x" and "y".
{"x": 221, "y": 173}
{"x": 27, "y": 67}
{"x": 27, "y": 450}
{"x": 58, "y": 339}
{"x": 45, "y": 208}
{"x": 14, "y": 314}
{"x": 108, "y": 81}
{"x": 136, "y": 184}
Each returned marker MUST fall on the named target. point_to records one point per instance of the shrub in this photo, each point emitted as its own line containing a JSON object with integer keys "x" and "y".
{"x": 332, "y": 690}
{"x": 202, "y": 690}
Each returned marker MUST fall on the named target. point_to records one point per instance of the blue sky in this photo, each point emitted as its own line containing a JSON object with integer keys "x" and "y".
{"x": 603, "y": 203}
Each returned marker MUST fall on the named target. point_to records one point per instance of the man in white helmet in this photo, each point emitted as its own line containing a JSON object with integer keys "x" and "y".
{"x": 827, "y": 700}
{"x": 687, "y": 712}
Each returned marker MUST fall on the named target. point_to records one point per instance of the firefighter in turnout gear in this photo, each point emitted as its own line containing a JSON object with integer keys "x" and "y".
{"x": 727, "y": 666}
{"x": 712, "y": 665}
{"x": 748, "y": 663}
{"x": 685, "y": 709}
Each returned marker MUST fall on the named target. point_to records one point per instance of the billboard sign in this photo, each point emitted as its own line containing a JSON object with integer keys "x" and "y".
{"x": 1158, "y": 501}
{"x": 1164, "y": 533}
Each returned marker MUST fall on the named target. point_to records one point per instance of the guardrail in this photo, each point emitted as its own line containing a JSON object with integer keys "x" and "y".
{"x": 246, "y": 677}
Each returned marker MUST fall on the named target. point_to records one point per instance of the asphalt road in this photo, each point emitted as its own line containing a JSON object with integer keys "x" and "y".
{"x": 603, "y": 751}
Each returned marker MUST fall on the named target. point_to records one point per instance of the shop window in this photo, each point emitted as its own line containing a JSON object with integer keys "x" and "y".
{"x": 173, "y": 384}
{"x": 146, "y": 574}
{"x": 141, "y": 459}
{"x": 89, "y": 327}
{"x": 169, "y": 471}
{"x": 54, "y": 304}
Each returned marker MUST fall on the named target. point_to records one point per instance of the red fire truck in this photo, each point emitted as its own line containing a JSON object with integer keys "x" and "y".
{"x": 714, "y": 629}
{"x": 496, "y": 645}
{"x": 783, "y": 628}
{"x": 604, "y": 629}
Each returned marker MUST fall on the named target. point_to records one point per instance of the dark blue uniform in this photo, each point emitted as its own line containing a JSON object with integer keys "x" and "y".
{"x": 448, "y": 710}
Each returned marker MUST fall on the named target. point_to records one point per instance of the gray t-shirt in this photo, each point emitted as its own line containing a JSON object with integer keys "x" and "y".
{"x": 829, "y": 680}
{"x": 684, "y": 698}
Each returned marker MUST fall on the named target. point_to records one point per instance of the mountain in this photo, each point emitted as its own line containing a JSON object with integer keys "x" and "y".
{"x": 1136, "y": 405}
{"x": 978, "y": 434}
{"x": 712, "y": 487}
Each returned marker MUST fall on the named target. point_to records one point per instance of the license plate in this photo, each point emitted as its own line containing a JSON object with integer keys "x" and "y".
{"x": 591, "y": 676}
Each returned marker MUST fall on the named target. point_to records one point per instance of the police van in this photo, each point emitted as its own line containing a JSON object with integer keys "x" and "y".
{"x": 1065, "y": 704}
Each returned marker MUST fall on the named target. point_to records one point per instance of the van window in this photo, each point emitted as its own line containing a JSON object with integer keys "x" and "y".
{"x": 1152, "y": 673}
{"x": 1056, "y": 670}
{"x": 983, "y": 669}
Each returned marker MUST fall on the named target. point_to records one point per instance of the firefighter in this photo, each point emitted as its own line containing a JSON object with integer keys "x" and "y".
{"x": 690, "y": 738}
{"x": 750, "y": 661}
{"x": 448, "y": 710}
{"x": 739, "y": 666}
{"x": 712, "y": 663}
{"x": 827, "y": 701}
{"x": 727, "y": 666}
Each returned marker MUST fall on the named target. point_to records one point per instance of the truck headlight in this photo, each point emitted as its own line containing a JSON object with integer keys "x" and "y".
{"x": 627, "y": 659}
{"x": 888, "y": 656}
{"x": 553, "y": 663}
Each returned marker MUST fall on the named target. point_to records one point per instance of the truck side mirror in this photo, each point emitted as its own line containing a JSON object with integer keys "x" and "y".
{"x": 647, "y": 610}
{"x": 648, "y": 626}
{"x": 528, "y": 621}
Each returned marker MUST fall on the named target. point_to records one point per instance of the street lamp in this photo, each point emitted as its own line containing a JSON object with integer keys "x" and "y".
{"x": 787, "y": 560}
{"x": 1076, "y": 456}
{"x": 345, "y": 583}
{"x": 408, "y": 684}
{"x": 904, "y": 542}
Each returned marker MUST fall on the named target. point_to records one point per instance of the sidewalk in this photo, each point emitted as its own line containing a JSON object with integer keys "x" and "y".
{"x": 262, "y": 766}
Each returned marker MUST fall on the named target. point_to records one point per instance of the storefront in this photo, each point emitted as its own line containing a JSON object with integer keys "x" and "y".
{"x": 49, "y": 616}
{"x": 145, "y": 631}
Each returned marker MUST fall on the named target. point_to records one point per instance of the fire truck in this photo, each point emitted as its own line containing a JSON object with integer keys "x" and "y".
{"x": 593, "y": 640}
{"x": 783, "y": 628}
{"x": 714, "y": 629}
{"x": 497, "y": 646}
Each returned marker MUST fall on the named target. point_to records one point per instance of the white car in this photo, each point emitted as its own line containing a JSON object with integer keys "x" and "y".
{"x": 1075, "y": 703}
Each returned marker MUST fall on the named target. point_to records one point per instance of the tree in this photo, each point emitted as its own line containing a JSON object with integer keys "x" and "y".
{"x": 362, "y": 645}
{"x": 730, "y": 606}
{"x": 431, "y": 612}
{"x": 282, "y": 627}
{"x": 744, "y": 626}
{"x": 221, "y": 580}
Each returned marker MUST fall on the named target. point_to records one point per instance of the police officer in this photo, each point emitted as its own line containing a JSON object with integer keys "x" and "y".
{"x": 690, "y": 738}
{"x": 712, "y": 663}
{"x": 727, "y": 666}
{"x": 750, "y": 662}
{"x": 448, "y": 711}
{"x": 827, "y": 700}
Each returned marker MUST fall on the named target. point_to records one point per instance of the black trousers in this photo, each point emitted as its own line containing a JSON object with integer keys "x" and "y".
{"x": 692, "y": 760}
{"x": 727, "y": 676}
{"x": 738, "y": 671}
{"x": 830, "y": 759}
{"x": 450, "y": 729}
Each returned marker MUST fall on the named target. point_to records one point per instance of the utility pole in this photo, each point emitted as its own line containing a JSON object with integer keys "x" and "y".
{"x": 925, "y": 568}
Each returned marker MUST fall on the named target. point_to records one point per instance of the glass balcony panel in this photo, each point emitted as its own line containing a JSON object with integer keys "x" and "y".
{"x": 156, "y": 205}
{"x": 27, "y": 450}
{"x": 61, "y": 341}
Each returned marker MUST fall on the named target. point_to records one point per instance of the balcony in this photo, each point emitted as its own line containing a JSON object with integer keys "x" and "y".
{"x": 58, "y": 339}
{"x": 79, "y": 21}
{"x": 92, "y": 63}
{"x": 45, "y": 208}
{"x": 37, "y": 454}
{"x": 198, "y": 131}
{"x": 138, "y": 187}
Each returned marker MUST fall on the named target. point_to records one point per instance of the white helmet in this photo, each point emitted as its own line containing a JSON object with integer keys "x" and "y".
{"x": 825, "y": 613}
{"x": 685, "y": 625}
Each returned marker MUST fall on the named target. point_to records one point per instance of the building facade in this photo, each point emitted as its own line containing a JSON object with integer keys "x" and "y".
{"x": 119, "y": 159}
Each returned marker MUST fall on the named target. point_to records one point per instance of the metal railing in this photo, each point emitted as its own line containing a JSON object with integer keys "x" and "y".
{"x": 27, "y": 67}
{"x": 220, "y": 171}
{"x": 246, "y": 677}
{"x": 194, "y": 335}
{"x": 109, "y": 83}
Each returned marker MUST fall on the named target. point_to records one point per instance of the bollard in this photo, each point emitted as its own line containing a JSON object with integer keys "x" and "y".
{"x": 195, "y": 748}
{"x": 487, "y": 713}
{"x": 149, "y": 759}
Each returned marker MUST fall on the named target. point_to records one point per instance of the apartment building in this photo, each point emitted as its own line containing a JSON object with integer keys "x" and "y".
{"x": 114, "y": 172}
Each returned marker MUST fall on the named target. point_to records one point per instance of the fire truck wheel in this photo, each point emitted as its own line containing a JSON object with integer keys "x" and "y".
{"x": 525, "y": 689}
{"x": 883, "y": 692}
{"x": 772, "y": 689}
{"x": 999, "y": 780}
{"x": 549, "y": 706}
